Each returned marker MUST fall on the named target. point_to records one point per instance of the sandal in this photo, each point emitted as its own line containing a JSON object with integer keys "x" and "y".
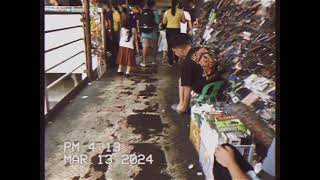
{"x": 175, "y": 108}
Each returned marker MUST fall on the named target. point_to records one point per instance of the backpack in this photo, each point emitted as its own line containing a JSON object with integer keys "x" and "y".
{"x": 147, "y": 21}
{"x": 205, "y": 59}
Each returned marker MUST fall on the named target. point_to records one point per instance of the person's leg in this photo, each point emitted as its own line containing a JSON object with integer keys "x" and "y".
{"x": 120, "y": 59}
{"x": 170, "y": 52}
{"x": 109, "y": 49}
{"x": 116, "y": 39}
{"x": 128, "y": 70}
{"x": 131, "y": 61}
{"x": 145, "y": 50}
{"x": 154, "y": 50}
{"x": 113, "y": 50}
{"x": 174, "y": 33}
{"x": 164, "y": 56}
{"x": 186, "y": 98}
{"x": 120, "y": 68}
{"x": 181, "y": 94}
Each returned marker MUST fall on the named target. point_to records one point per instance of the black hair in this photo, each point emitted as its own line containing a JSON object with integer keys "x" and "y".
{"x": 115, "y": 6}
{"x": 151, "y": 3}
{"x": 185, "y": 6}
{"x": 180, "y": 40}
{"x": 125, "y": 10}
{"x": 174, "y": 4}
{"x": 108, "y": 4}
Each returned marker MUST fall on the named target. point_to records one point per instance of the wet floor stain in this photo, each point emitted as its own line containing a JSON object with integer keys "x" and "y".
{"x": 129, "y": 88}
{"x": 149, "y": 91}
{"x": 151, "y": 170}
{"x": 97, "y": 170}
{"x": 136, "y": 81}
{"x": 145, "y": 124}
{"x": 150, "y": 108}
{"x": 121, "y": 108}
{"x": 126, "y": 92}
{"x": 150, "y": 80}
{"x": 76, "y": 178}
{"x": 89, "y": 150}
{"x": 148, "y": 71}
{"x": 136, "y": 101}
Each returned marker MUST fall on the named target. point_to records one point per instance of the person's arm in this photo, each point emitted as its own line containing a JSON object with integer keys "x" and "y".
{"x": 190, "y": 32}
{"x": 108, "y": 25}
{"x": 225, "y": 156}
{"x": 106, "y": 21}
{"x": 165, "y": 21}
{"x": 160, "y": 36}
{"x": 186, "y": 82}
{"x": 183, "y": 19}
{"x": 136, "y": 42}
{"x": 196, "y": 23}
{"x": 186, "y": 96}
{"x": 190, "y": 24}
{"x": 236, "y": 173}
{"x": 117, "y": 20}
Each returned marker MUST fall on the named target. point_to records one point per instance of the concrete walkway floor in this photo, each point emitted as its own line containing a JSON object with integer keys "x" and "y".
{"x": 132, "y": 115}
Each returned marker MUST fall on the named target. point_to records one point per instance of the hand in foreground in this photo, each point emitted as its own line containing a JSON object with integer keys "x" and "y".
{"x": 225, "y": 156}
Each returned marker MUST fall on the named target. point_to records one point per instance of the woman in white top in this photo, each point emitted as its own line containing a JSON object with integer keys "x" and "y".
{"x": 128, "y": 36}
{"x": 186, "y": 27}
{"x": 163, "y": 44}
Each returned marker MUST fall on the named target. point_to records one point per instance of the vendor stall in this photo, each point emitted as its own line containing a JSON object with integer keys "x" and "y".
{"x": 241, "y": 35}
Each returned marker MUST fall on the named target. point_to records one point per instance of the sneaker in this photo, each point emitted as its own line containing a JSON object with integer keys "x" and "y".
{"x": 169, "y": 65}
{"x": 143, "y": 65}
{"x": 175, "y": 108}
{"x": 127, "y": 74}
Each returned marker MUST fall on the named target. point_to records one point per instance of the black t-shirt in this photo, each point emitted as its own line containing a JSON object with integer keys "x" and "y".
{"x": 136, "y": 17}
{"x": 108, "y": 16}
{"x": 191, "y": 73}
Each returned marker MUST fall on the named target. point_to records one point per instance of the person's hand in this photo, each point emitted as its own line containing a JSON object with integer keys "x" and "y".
{"x": 225, "y": 156}
{"x": 195, "y": 24}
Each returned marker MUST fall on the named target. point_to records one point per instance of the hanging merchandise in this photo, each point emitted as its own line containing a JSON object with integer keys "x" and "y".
{"x": 212, "y": 18}
{"x": 241, "y": 36}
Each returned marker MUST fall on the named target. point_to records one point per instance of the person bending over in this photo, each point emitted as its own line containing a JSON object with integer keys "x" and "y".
{"x": 197, "y": 69}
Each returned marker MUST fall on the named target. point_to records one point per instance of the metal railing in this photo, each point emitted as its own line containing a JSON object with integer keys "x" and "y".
{"x": 62, "y": 11}
{"x": 73, "y": 52}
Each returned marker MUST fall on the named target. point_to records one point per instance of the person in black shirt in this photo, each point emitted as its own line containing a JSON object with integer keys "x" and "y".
{"x": 192, "y": 75}
{"x": 108, "y": 23}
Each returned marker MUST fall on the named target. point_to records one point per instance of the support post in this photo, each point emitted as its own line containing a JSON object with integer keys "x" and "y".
{"x": 88, "y": 40}
{"x": 46, "y": 101}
